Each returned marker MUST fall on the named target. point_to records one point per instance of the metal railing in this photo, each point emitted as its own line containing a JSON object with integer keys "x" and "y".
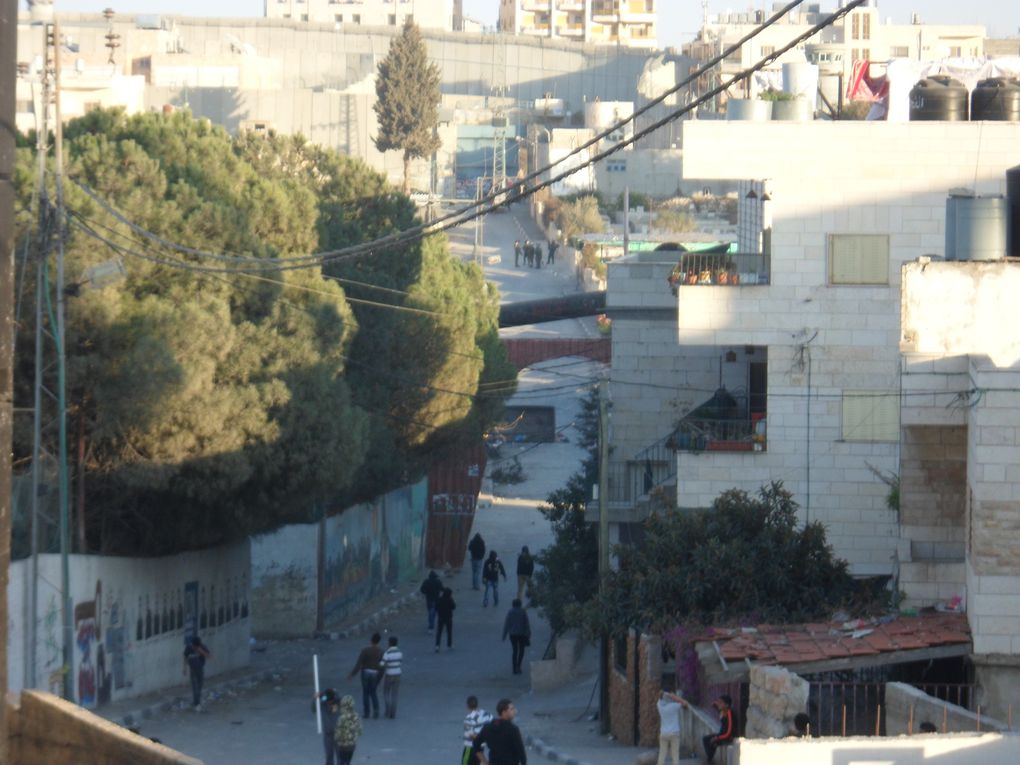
{"x": 960, "y": 694}
{"x": 722, "y": 269}
{"x": 651, "y": 467}
{"x": 846, "y": 708}
{"x": 697, "y": 435}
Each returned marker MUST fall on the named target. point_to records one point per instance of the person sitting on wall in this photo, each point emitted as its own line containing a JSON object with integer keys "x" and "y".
{"x": 724, "y": 705}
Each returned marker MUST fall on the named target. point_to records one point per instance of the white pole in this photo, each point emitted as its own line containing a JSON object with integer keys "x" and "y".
{"x": 318, "y": 705}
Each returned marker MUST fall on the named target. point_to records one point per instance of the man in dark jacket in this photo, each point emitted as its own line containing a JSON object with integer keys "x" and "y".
{"x": 444, "y": 610}
{"x": 518, "y": 628}
{"x": 491, "y": 572}
{"x": 431, "y": 588}
{"x": 525, "y": 568}
{"x": 329, "y": 703}
{"x": 477, "y": 549}
{"x": 369, "y": 664}
{"x": 503, "y": 738}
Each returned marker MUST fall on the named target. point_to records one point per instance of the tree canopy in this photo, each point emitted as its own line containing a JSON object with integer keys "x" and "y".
{"x": 746, "y": 557}
{"x": 407, "y": 99}
{"x": 218, "y": 405}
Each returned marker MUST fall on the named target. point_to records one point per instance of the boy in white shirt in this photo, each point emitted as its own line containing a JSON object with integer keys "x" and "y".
{"x": 473, "y": 723}
{"x": 669, "y": 706}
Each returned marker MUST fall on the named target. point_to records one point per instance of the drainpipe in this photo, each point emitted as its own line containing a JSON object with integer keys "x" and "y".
{"x": 637, "y": 686}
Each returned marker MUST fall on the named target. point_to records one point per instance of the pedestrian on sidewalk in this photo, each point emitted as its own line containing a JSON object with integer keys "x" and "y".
{"x": 474, "y": 721}
{"x": 538, "y": 256}
{"x": 502, "y": 737}
{"x": 444, "y": 610}
{"x": 517, "y": 626}
{"x": 525, "y": 568}
{"x": 491, "y": 572}
{"x": 477, "y": 549}
{"x": 431, "y": 588}
{"x": 329, "y": 705}
{"x": 195, "y": 655}
{"x": 517, "y": 252}
{"x": 347, "y": 731}
{"x": 669, "y": 706}
{"x": 392, "y": 658}
{"x": 711, "y": 742}
{"x": 552, "y": 252}
{"x": 369, "y": 664}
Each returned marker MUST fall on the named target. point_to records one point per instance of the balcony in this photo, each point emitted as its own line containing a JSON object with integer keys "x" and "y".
{"x": 536, "y": 5}
{"x": 570, "y": 30}
{"x": 710, "y": 435}
{"x": 720, "y": 269}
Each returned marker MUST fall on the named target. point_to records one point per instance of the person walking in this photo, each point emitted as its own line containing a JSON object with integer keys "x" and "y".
{"x": 552, "y": 252}
{"x": 392, "y": 658}
{"x": 525, "y": 568}
{"x": 517, "y": 626}
{"x": 711, "y": 742}
{"x": 490, "y": 578}
{"x": 502, "y": 737}
{"x": 369, "y": 664}
{"x": 195, "y": 655}
{"x": 474, "y": 721}
{"x": 477, "y": 549}
{"x": 444, "y": 612}
{"x": 329, "y": 705}
{"x": 517, "y": 252}
{"x": 431, "y": 589}
{"x": 347, "y": 731}
{"x": 669, "y": 706}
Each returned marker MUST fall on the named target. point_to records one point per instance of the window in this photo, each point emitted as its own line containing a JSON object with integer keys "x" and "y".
{"x": 356, "y": 18}
{"x": 899, "y": 51}
{"x": 866, "y": 54}
{"x": 871, "y": 415}
{"x": 768, "y": 50}
{"x": 858, "y": 259}
{"x": 855, "y": 54}
{"x": 392, "y": 19}
{"x": 338, "y": 18}
{"x": 616, "y": 166}
{"x": 866, "y": 27}
{"x": 954, "y": 51}
{"x": 304, "y": 17}
{"x": 855, "y": 27}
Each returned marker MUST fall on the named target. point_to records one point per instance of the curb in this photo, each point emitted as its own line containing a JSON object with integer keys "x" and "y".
{"x": 165, "y": 705}
{"x": 552, "y": 754}
{"x": 371, "y": 621}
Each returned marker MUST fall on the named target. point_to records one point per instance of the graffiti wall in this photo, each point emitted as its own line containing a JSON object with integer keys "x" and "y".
{"x": 363, "y": 550}
{"x": 129, "y": 620}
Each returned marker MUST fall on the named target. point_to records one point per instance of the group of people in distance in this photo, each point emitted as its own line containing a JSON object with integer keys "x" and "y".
{"x": 532, "y": 253}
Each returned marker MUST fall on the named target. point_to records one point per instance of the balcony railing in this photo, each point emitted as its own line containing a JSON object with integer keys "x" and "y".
{"x": 701, "y": 435}
{"x": 722, "y": 269}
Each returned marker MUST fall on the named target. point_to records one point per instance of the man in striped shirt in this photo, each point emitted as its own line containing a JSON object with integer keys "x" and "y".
{"x": 473, "y": 723}
{"x": 391, "y": 661}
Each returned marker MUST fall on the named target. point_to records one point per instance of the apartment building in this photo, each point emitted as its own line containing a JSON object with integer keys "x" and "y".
{"x": 839, "y": 353}
{"x": 629, "y": 23}
{"x": 861, "y": 35}
{"x": 428, "y": 14}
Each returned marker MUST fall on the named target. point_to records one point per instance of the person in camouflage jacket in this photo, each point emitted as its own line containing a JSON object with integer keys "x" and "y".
{"x": 347, "y": 730}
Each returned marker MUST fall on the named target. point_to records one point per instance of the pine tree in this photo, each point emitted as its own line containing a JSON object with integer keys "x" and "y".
{"x": 407, "y": 104}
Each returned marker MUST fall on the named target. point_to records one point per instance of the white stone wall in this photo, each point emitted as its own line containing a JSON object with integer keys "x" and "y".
{"x": 130, "y": 618}
{"x": 776, "y": 696}
{"x": 829, "y": 178}
{"x": 427, "y": 14}
{"x": 285, "y": 581}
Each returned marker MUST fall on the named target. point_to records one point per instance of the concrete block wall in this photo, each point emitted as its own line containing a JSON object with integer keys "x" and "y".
{"x": 776, "y": 697}
{"x": 959, "y": 748}
{"x": 621, "y": 690}
{"x": 130, "y": 619}
{"x": 907, "y": 707}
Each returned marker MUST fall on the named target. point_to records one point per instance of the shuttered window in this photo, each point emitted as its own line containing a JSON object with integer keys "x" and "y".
{"x": 871, "y": 415}
{"x": 858, "y": 259}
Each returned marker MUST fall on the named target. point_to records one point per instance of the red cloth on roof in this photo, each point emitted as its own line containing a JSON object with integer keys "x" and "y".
{"x": 864, "y": 87}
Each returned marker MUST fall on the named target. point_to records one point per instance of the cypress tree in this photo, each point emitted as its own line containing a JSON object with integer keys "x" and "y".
{"x": 407, "y": 104}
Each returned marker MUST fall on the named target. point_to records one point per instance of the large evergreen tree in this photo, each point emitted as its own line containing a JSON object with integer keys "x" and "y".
{"x": 407, "y": 104}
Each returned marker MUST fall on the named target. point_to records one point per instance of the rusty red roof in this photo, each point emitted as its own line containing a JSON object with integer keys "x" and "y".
{"x": 803, "y": 643}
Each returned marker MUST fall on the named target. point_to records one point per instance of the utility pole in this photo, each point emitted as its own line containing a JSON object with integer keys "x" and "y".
{"x": 603, "y": 549}
{"x": 8, "y": 67}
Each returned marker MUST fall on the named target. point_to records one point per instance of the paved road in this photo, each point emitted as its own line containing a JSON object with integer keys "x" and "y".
{"x": 272, "y": 724}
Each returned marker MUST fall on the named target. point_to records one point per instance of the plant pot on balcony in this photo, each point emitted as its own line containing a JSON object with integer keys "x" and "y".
{"x": 752, "y": 109}
{"x": 792, "y": 110}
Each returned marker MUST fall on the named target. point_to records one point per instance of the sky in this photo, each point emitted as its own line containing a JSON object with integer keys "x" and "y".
{"x": 679, "y": 20}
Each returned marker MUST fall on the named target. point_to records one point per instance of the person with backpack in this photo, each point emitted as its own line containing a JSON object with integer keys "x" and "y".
{"x": 477, "y": 549}
{"x": 525, "y": 568}
{"x": 444, "y": 611}
{"x": 347, "y": 731}
{"x": 431, "y": 588}
{"x": 490, "y": 578}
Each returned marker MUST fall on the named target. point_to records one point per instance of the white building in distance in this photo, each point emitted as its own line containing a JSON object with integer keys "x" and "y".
{"x": 428, "y": 14}
{"x": 630, "y": 23}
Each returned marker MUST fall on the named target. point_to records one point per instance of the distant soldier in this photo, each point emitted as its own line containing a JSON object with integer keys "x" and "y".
{"x": 529, "y": 252}
{"x": 552, "y": 252}
{"x": 517, "y": 252}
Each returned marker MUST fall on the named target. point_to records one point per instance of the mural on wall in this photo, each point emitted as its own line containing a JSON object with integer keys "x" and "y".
{"x": 371, "y": 546}
{"x": 52, "y": 662}
{"x": 93, "y": 681}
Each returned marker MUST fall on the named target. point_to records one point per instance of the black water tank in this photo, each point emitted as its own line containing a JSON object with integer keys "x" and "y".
{"x": 997, "y": 98}
{"x": 1013, "y": 197}
{"x": 939, "y": 98}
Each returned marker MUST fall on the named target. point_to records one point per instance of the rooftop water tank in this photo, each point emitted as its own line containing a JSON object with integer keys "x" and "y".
{"x": 997, "y": 98}
{"x": 939, "y": 98}
{"x": 978, "y": 227}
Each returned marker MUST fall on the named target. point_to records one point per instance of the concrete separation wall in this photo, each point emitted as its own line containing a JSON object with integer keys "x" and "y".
{"x": 130, "y": 617}
{"x": 957, "y": 748}
{"x": 907, "y": 707}
{"x": 46, "y": 730}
